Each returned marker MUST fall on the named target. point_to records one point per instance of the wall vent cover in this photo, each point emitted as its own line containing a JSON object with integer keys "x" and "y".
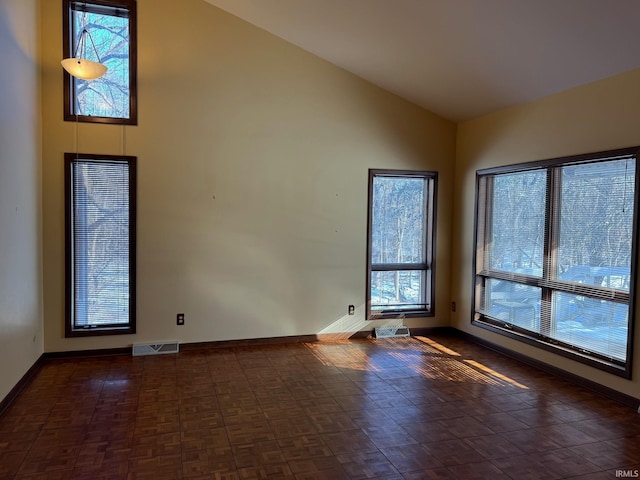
{"x": 389, "y": 332}
{"x": 155, "y": 348}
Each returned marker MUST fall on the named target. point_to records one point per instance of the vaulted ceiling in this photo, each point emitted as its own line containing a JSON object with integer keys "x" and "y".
{"x": 460, "y": 58}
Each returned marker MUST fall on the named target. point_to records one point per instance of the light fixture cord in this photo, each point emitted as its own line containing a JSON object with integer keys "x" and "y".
{"x": 82, "y": 41}
{"x": 93, "y": 45}
{"x": 76, "y": 139}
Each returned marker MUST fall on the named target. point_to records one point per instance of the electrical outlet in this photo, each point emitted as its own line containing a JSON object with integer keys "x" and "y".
{"x": 453, "y": 306}
{"x": 180, "y": 319}
{"x": 352, "y": 310}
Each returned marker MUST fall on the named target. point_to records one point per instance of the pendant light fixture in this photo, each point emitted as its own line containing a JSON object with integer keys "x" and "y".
{"x": 79, "y": 66}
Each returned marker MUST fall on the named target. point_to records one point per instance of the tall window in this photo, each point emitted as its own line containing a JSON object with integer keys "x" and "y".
{"x": 555, "y": 255}
{"x": 112, "y": 26}
{"x": 401, "y": 233}
{"x": 100, "y": 205}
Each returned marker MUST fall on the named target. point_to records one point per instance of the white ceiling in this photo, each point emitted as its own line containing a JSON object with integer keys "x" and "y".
{"x": 460, "y": 58}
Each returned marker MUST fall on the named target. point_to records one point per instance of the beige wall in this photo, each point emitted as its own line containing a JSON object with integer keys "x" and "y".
{"x": 21, "y": 331}
{"x": 252, "y": 180}
{"x": 595, "y": 117}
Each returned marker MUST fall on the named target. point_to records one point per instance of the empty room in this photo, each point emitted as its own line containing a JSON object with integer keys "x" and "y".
{"x": 319, "y": 239}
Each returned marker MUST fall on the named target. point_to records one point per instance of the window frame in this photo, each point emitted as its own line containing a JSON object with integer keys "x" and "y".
{"x": 69, "y": 96}
{"x": 428, "y": 266}
{"x": 120, "y": 329}
{"x": 548, "y": 281}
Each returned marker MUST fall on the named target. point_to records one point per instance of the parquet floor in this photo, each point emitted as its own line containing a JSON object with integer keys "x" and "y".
{"x": 394, "y": 409}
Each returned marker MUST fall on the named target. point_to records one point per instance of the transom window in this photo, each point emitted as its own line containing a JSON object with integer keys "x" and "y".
{"x": 112, "y": 26}
{"x": 401, "y": 231}
{"x": 555, "y": 255}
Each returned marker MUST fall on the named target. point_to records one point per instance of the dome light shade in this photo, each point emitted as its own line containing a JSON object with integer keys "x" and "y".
{"x": 79, "y": 66}
{"x": 83, "y": 68}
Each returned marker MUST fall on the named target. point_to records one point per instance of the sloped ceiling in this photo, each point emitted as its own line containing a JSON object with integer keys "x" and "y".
{"x": 460, "y": 58}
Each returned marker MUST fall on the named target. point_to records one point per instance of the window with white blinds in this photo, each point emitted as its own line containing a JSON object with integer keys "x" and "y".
{"x": 100, "y": 244}
{"x": 555, "y": 255}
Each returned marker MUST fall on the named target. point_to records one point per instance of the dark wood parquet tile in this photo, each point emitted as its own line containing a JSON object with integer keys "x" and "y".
{"x": 333, "y": 422}
{"x": 428, "y": 432}
{"x": 464, "y": 427}
{"x": 307, "y": 388}
{"x": 49, "y": 458}
{"x": 256, "y": 454}
{"x": 10, "y": 461}
{"x": 566, "y": 435}
{"x": 208, "y": 461}
{"x": 440, "y": 411}
{"x": 610, "y": 427}
{"x": 281, "y": 409}
{"x": 292, "y": 427}
{"x": 206, "y": 438}
{"x": 268, "y": 396}
{"x": 97, "y": 454}
{"x": 409, "y": 458}
{"x": 567, "y": 463}
{"x": 265, "y": 472}
{"x": 319, "y": 406}
{"x": 478, "y": 471}
{"x": 390, "y": 399}
{"x": 433, "y": 474}
{"x": 530, "y": 440}
{"x": 328, "y": 474}
{"x": 529, "y": 466}
{"x": 49, "y": 475}
{"x": 304, "y": 447}
{"x": 369, "y": 464}
{"x": 348, "y": 441}
{"x": 396, "y": 409}
{"x": 454, "y": 452}
{"x": 493, "y": 446}
{"x": 618, "y": 453}
{"x": 156, "y": 445}
{"x": 250, "y": 432}
{"x": 354, "y": 402}
{"x": 316, "y": 464}
{"x": 108, "y": 471}
{"x": 501, "y": 422}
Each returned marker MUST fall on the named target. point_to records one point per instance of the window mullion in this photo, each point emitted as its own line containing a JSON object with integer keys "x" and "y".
{"x": 392, "y": 267}
{"x": 551, "y": 236}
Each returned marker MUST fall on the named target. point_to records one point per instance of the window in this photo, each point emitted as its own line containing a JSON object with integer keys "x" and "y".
{"x": 555, "y": 255}
{"x": 112, "y": 26}
{"x": 401, "y": 239}
{"x": 100, "y": 205}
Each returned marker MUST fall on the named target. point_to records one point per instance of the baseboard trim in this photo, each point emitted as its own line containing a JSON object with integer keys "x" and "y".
{"x": 22, "y": 383}
{"x": 247, "y": 342}
{"x": 607, "y": 392}
{"x": 106, "y": 352}
{"x": 426, "y": 331}
{"x": 320, "y": 337}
